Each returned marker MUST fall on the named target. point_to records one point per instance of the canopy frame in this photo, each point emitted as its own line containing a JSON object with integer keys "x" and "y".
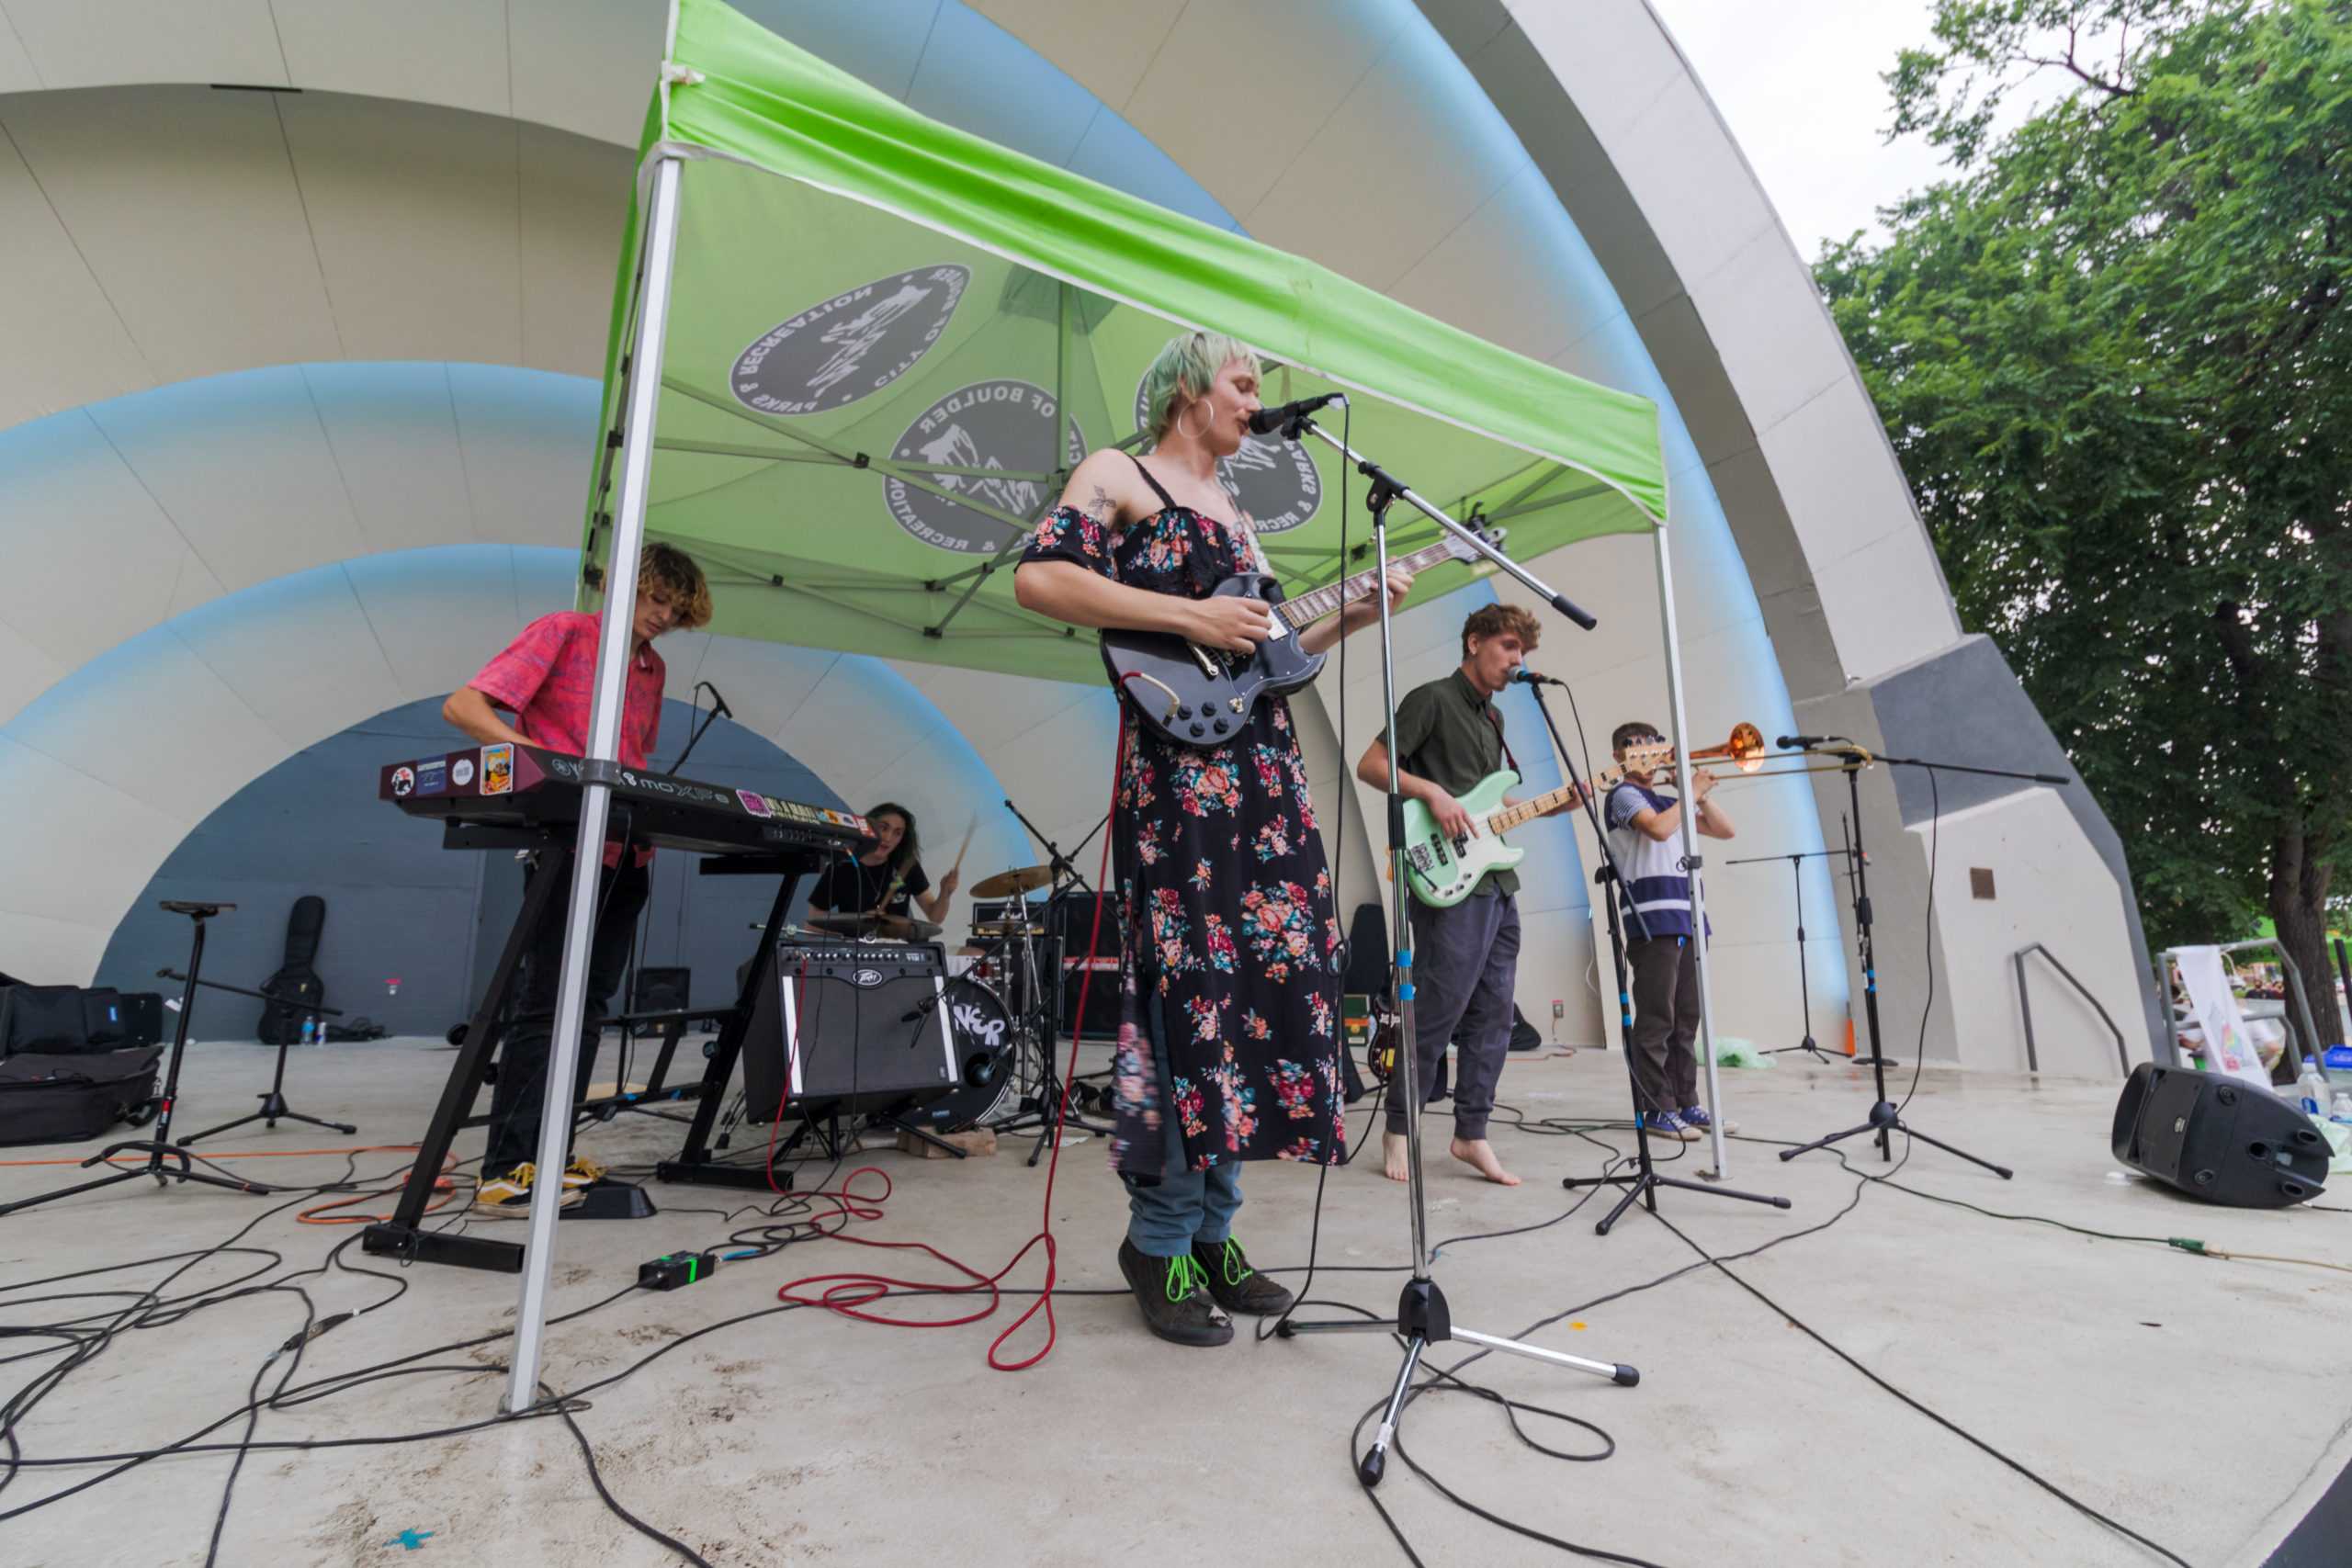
{"x": 635, "y": 383}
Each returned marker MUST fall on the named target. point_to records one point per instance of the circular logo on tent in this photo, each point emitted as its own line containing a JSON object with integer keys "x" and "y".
{"x": 973, "y": 431}
{"x": 852, "y": 344}
{"x": 1271, "y": 480}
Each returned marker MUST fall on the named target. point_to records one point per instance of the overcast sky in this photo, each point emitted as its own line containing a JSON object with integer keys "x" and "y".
{"x": 1798, "y": 82}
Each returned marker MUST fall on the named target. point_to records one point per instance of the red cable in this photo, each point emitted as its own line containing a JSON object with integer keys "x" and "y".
{"x": 848, "y": 1293}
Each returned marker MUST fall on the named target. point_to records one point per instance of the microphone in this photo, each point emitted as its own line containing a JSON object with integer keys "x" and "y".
{"x": 1788, "y": 741}
{"x": 1523, "y": 676}
{"x": 717, "y": 703}
{"x": 1265, "y": 422}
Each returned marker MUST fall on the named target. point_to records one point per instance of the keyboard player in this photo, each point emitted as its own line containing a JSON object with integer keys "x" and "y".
{"x": 546, "y": 678}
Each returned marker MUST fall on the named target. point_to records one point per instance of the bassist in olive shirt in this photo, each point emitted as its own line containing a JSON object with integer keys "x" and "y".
{"x": 1465, "y": 957}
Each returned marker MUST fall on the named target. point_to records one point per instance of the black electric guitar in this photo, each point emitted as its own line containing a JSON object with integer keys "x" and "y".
{"x": 1202, "y": 696}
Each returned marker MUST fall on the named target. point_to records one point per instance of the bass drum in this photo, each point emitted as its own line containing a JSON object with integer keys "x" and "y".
{"x": 983, "y": 1032}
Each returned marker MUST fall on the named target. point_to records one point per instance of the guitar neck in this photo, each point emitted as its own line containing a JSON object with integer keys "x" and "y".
{"x": 1332, "y": 597}
{"x": 1510, "y": 816}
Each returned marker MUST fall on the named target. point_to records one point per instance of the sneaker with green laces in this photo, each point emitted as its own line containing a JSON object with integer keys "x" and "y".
{"x": 1174, "y": 1295}
{"x": 1236, "y": 1285}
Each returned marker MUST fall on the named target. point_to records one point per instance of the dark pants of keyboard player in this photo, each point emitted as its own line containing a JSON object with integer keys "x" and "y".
{"x": 519, "y": 1097}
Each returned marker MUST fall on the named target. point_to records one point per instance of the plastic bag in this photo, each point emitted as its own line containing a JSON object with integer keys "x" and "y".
{"x": 1732, "y": 1052}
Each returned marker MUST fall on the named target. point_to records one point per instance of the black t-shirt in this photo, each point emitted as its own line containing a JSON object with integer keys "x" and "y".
{"x": 850, "y": 887}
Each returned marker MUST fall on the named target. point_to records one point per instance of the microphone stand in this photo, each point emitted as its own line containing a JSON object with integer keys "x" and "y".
{"x": 1642, "y": 1188}
{"x": 1886, "y": 1117}
{"x": 1804, "y": 993}
{"x": 1422, "y": 1317}
{"x": 1045, "y": 1001}
{"x": 718, "y": 709}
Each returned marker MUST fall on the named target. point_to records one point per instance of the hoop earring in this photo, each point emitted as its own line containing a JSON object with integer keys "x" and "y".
{"x": 1192, "y": 436}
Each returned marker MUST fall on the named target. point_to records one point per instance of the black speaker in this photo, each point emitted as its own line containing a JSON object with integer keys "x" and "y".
{"x": 850, "y": 1027}
{"x": 2218, "y": 1139}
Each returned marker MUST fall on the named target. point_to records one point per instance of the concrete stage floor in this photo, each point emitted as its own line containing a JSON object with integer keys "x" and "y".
{"x": 2205, "y": 1403}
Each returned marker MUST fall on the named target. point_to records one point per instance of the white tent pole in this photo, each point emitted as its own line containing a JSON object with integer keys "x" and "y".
{"x": 616, "y": 647}
{"x": 1690, "y": 843}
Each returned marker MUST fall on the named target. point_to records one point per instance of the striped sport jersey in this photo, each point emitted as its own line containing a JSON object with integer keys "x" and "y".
{"x": 1655, "y": 882}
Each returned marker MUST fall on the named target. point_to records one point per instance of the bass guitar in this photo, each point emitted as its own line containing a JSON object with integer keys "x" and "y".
{"x": 1442, "y": 871}
{"x": 1202, "y": 697}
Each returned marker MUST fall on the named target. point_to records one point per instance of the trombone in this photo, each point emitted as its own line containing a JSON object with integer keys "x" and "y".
{"x": 1747, "y": 753}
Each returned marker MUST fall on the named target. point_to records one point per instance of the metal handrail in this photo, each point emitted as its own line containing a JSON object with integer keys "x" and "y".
{"x": 2294, "y": 980}
{"x": 2025, "y": 1005}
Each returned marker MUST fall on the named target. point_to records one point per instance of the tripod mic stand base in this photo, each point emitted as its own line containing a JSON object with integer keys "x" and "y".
{"x": 1643, "y": 1189}
{"x": 273, "y": 1111}
{"x": 1886, "y": 1121}
{"x": 1423, "y": 1320}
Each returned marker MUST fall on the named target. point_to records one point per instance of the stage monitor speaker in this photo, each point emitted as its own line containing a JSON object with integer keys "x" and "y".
{"x": 1071, "y": 924}
{"x": 846, "y": 1026}
{"x": 2218, "y": 1139}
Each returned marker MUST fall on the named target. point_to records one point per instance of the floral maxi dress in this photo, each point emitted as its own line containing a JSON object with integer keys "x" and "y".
{"x": 1228, "y": 897}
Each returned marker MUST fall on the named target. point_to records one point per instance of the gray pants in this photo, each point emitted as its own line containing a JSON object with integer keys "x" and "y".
{"x": 1665, "y": 1021}
{"x": 1466, "y": 963}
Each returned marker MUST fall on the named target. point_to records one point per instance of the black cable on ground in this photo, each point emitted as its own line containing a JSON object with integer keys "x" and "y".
{"x": 1954, "y": 1428}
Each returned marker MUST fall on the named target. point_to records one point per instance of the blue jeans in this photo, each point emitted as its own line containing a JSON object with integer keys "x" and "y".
{"x": 1166, "y": 1217}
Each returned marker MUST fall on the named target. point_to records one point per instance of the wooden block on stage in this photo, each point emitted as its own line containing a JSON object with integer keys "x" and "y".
{"x": 979, "y": 1141}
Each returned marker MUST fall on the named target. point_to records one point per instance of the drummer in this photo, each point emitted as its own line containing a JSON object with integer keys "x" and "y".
{"x": 889, "y": 878}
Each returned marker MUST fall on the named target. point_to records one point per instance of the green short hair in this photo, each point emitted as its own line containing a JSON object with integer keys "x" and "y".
{"x": 1187, "y": 363}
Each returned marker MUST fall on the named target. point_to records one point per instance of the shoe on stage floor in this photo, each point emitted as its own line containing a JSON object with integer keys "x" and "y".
{"x": 508, "y": 1197}
{"x": 1174, "y": 1295}
{"x": 1666, "y": 1124}
{"x": 1696, "y": 1116}
{"x": 1237, "y": 1286}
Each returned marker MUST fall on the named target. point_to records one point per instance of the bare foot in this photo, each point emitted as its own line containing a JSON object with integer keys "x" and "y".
{"x": 1395, "y": 1156}
{"x": 1479, "y": 1155}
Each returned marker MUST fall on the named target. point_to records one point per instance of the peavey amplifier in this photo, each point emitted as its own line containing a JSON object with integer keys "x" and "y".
{"x": 848, "y": 1026}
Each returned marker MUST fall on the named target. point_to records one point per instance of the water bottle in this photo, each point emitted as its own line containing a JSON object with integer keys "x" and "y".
{"x": 2310, "y": 1089}
{"x": 319, "y": 1036}
{"x": 309, "y": 1031}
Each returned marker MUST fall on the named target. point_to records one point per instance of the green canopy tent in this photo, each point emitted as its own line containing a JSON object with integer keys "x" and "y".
{"x": 853, "y": 354}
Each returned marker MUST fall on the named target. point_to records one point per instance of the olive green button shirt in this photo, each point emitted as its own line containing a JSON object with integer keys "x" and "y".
{"x": 1452, "y": 736}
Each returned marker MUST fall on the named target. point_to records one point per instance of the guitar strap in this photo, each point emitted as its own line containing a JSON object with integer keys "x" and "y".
{"x": 1493, "y": 720}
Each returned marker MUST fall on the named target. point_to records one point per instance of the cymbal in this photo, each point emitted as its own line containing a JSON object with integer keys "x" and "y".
{"x": 890, "y": 928}
{"x": 1014, "y": 883}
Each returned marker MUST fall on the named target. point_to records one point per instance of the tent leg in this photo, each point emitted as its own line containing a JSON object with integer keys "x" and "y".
{"x": 1690, "y": 848}
{"x": 615, "y": 638}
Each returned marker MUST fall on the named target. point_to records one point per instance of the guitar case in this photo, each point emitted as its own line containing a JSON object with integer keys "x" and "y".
{"x": 53, "y": 1099}
{"x": 295, "y": 989}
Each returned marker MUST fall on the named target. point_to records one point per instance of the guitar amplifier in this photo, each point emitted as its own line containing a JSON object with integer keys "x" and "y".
{"x": 848, "y": 1026}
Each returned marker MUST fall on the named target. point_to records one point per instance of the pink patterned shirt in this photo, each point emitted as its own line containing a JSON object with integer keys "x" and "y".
{"x": 548, "y": 676}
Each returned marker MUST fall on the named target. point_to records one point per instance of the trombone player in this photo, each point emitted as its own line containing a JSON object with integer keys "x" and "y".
{"x": 1644, "y": 832}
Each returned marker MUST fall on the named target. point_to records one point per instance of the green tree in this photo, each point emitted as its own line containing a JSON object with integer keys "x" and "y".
{"x": 2113, "y": 354}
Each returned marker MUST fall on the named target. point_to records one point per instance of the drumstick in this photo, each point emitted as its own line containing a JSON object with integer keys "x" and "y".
{"x": 967, "y": 844}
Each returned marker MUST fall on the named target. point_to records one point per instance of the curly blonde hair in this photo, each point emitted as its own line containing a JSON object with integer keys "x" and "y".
{"x": 670, "y": 571}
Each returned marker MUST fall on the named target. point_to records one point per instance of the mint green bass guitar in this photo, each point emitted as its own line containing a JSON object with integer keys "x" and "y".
{"x": 1442, "y": 871}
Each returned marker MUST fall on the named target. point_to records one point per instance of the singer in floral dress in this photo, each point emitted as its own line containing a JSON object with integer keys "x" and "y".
{"x": 1228, "y": 1049}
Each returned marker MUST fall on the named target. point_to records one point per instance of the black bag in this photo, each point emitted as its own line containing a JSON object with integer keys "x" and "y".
{"x": 296, "y": 990}
{"x": 102, "y": 1023}
{"x": 1524, "y": 1036}
{"x": 47, "y": 1099}
{"x": 142, "y": 1018}
{"x": 42, "y": 1018}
